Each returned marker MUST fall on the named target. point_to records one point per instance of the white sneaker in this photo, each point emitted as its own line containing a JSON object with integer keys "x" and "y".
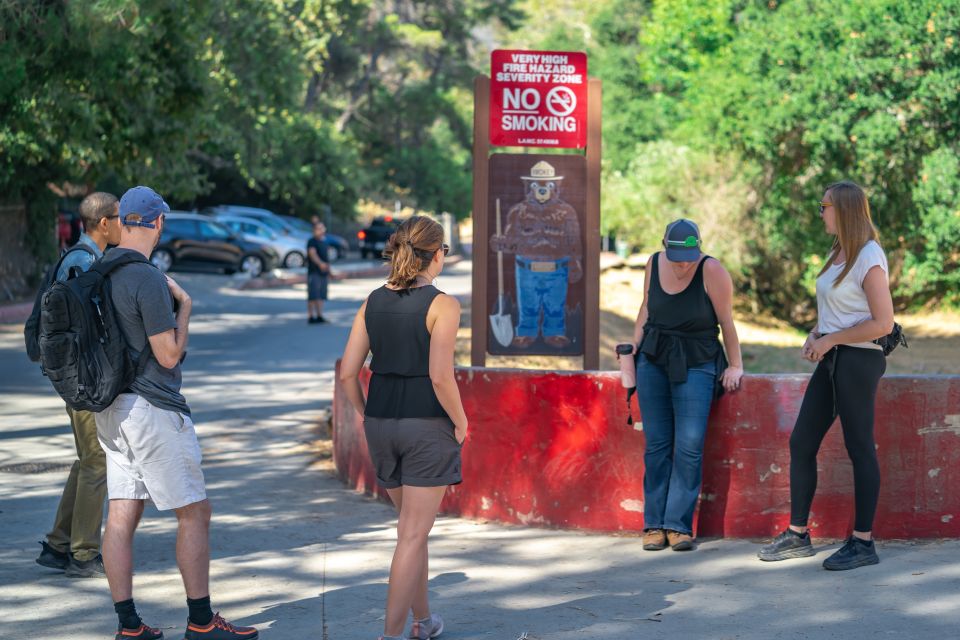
{"x": 426, "y": 629}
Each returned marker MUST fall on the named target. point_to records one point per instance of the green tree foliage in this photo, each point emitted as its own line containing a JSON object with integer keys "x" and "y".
{"x": 399, "y": 86}
{"x": 297, "y": 104}
{"x": 790, "y": 97}
{"x": 666, "y": 181}
{"x": 86, "y": 91}
{"x": 818, "y": 91}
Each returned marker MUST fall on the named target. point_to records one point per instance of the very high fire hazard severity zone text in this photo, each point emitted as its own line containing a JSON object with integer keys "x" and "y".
{"x": 538, "y": 98}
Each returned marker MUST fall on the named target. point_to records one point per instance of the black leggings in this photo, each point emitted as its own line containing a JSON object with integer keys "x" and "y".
{"x": 856, "y": 374}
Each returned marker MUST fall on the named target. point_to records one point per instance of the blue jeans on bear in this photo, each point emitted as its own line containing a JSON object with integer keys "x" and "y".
{"x": 538, "y": 290}
{"x": 675, "y": 422}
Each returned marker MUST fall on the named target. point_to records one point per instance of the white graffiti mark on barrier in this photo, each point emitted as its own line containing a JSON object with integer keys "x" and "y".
{"x": 951, "y": 424}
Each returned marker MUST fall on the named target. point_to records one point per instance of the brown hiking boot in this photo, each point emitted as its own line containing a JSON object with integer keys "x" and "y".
{"x": 654, "y": 540}
{"x": 679, "y": 541}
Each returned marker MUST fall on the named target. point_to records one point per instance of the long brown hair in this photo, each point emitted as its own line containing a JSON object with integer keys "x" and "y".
{"x": 411, "y": 248}
{"x": 855, "y": 227}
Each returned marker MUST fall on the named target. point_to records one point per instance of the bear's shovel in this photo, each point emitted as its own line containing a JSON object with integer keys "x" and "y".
{"x": 501, "y": 322}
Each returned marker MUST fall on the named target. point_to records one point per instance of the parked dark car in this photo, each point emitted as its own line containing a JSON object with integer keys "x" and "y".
{"x": 198, "y": 242}
{"x": 373, "y": 239}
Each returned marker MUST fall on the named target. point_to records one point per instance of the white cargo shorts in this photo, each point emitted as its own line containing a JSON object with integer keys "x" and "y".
{"x": 152, "y": 453}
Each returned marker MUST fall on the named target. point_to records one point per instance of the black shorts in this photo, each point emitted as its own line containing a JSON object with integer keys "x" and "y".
{"x": 419, "y": 452}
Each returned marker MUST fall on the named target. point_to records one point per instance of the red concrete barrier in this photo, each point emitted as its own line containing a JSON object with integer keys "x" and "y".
{"x": 554, "y": 449}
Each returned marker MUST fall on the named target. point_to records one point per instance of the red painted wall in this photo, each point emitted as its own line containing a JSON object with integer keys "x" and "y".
{"x": 554, "y": 449}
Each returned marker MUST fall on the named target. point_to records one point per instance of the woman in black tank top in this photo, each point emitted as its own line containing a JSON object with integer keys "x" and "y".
{"x": 412, "y": 417}
{"x": 681, "y": 367}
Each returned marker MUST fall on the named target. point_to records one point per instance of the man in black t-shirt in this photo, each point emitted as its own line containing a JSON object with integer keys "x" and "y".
{"x": 318, "y": 274}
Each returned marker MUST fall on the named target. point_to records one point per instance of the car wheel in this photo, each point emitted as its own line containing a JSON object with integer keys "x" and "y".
{"x": 294, "y": 260}
{"x": 252, "y": 265}
{"x": 162, "y": 260}
{"x": 333, "y": 253}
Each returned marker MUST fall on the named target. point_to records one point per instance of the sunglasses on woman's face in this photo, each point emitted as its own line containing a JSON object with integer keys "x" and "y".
{"x": 445, "y": 248}
{"x": 824, "y": 205}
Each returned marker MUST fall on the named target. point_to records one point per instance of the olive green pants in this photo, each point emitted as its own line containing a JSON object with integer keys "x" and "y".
{"x": 80, "y": 514}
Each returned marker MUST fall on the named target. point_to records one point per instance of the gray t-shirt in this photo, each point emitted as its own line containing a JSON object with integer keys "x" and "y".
{"x": 144, "y": 307}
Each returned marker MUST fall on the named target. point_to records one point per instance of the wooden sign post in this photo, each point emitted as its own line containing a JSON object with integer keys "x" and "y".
{"x": 536, "y": 217}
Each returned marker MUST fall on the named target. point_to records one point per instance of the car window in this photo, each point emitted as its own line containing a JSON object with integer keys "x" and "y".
{"x": 213, "y": 230}
{"x": 259, "y": 230}
{"x": 273, "y": 223}
{"x": 299, "y": 224}
{"x": 181, "y": 228}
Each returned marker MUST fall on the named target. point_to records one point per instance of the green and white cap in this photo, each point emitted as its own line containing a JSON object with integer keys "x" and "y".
{"x": 682, "y": 241}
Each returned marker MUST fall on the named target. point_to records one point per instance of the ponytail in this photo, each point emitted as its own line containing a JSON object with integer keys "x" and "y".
{"x": 411, "y": 248}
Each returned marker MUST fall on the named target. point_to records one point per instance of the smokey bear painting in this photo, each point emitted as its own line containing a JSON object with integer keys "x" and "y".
{"x": 535, "y": 265}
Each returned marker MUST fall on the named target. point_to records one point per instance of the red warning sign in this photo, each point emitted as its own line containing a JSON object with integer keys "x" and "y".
{"x": 538, "y": 99}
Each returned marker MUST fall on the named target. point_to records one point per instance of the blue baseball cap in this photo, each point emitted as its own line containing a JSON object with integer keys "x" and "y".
{"x": 143, "y": 205}
{"x": 682, "y": 241}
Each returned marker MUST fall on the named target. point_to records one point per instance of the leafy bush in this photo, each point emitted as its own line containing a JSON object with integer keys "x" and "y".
{"x": 665, "y": 181}
{"x": 804, "y": 93}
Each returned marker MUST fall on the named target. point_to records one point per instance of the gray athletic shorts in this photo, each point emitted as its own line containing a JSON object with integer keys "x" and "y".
{"x": 317, "y": 286}
{"x": 419, "y": 452}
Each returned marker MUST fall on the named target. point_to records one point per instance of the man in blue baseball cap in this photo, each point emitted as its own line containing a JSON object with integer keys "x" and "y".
{"x": 148, "y": 434}
{"x": 141, "y": 207}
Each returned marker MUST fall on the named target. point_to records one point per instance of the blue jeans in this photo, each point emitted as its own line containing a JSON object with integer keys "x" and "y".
{"x": 538, "y": 290}
{"x": 675, "y": 423}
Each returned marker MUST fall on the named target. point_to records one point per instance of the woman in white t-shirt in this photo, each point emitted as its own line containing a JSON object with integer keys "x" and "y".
{"x": 854, "y": 308}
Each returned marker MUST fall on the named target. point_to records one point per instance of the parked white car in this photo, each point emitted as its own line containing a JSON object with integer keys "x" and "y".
{"x": 291, "y": 249}
{"x": 269, "y": 218}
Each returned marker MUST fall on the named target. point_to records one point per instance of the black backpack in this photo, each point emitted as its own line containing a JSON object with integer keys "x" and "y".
{"x": 31, "y": 330}
{"x": 82, "y": 348}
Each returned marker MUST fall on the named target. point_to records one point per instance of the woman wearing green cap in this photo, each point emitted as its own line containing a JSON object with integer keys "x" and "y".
{"x": 687, "y": 296}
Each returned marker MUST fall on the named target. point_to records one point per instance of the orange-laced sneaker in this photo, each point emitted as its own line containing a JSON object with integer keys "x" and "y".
{"x": 142, "y": 633}
{"x": 219, "y": 629}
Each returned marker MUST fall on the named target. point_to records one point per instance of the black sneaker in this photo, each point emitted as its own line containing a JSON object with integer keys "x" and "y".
{"x": 313, "y": 320}
{"x": 92, "y": 568}
{"x": 322, "y": 320}
{"x": 787, "y": 545}
{"x": 219, "y": 629}
{"x": 854, "y": 553}
{"x": 52, "y": 558}
{"x": 143, "y": 633}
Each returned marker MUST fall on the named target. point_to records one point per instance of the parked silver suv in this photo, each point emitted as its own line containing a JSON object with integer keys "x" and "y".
{"x": 291, "y": 249}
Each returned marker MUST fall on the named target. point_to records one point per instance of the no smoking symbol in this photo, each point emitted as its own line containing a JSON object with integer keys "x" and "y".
{"x": 561, "y": 101}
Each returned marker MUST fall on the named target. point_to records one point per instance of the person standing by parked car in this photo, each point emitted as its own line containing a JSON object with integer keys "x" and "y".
{"x": 318, "y": 274}
{"x": 73, "y": 545}
{"x": 680, "y": 361}
{"x": 854, "y": 307}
